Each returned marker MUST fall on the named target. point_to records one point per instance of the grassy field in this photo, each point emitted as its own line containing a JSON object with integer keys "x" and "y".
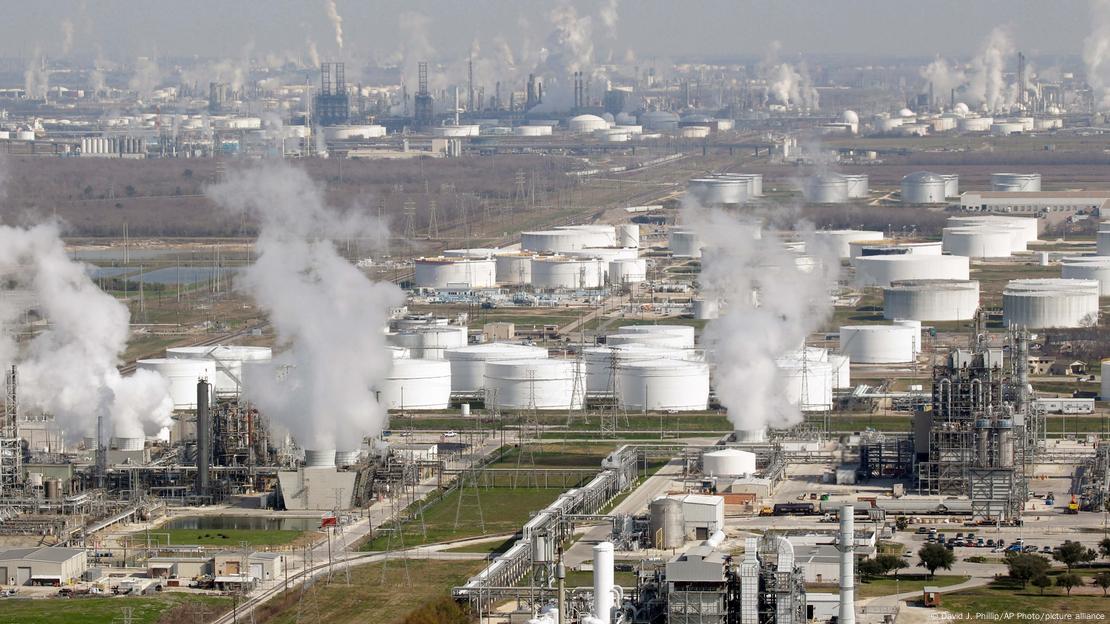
{"x": 224, "y": 537}
{"x": 904, "y": 583}
{"x": 504, "y": 510}
{"x": 367, "y": 599}
{"x": 168, "y": 606}
{"x": 1004, "y": 596}
{"x": 582, "y": 455}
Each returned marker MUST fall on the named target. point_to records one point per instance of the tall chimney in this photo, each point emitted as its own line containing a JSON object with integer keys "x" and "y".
{"x": 847, "y": 565}
{"x": 603, "y": 582}
{"x": 204, "y": 437}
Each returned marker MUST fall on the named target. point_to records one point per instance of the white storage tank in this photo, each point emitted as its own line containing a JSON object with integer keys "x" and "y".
{"x": 858, "y": 185}
{"x": 603, "y": 363}
{"x": 951, "y": 184}
{"x": 705, "y": 309}
{"x": 684, "y": 244}
{"x": 417, "y": 384}
{"x": 585, "y": 124}
{"x": 728, "y": 463}
{"x": 628, "y": 235}
{"x": 718, "y": 190}
{"x": 129, "y": 444}
{"x": 685, "y": 332}
{"x": 923, "y": 187}
{"x": 881, "y": 271}
{"x": 514, "y": 268}
{"x": 826, "y": 189}
{"x": 806, "y": 383}
{"x": 977, "y": 242}
{"x": 468, "y": 364}
{"x": 535, "y": 384}
{"x": 445, "y": 272}
{"x": 1041, "y": 303}
{"x": 568, "y": 238}
{"x": 838, "y": 240}
{"x": 474, "y": 252}
{"x": 878, "y": 344}
{"x": 554, "y": 272}
{"x": 1103, "y": 240}
{"x": 345, "y": 133}
{"x": 892, "y": 247}
{"x": 667, "y": 341}
{"x": 931, "y": 300}
{"x": 532, "y": 131}
{"x": 975, "y": 124}
{"x": 628, "y": 271}
{"x": 1023, "y": 229}
{"x": 429, "y": 343}
{"x": 605, "y": 254}
{"x": 663, "y": 385}
{"x": 1089, "y": 268}
{"x": 182, "y": 375}
{"x": 1016, "y": 182}
{"x": 228, "y": 361}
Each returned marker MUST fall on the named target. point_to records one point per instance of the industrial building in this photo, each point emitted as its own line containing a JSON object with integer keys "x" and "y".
{"x": 42, "y": 566}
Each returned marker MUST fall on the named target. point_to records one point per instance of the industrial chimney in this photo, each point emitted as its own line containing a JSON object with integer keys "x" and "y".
{"x": 204, "y": 437}
{"x": 847, "y": 563}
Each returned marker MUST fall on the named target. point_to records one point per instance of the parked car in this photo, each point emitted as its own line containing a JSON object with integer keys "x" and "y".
{"x": 1046, "y": 549}
{"x": 990, "y": 543}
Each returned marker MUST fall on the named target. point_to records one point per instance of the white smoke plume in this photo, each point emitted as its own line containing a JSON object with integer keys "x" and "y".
{"x": 944, "y": 77}
{"x": 146, "y": 77}
{"x": 770, "y": 304}
{"x": 986, "y": 85}
{"x": 67, "y": 36}
{"x": 569, "y": 48}
{"x": 313, "y": 54}
{"x": 327, "y": 313}
{"x": 786, "y": 85}
{"x": 416, "y": 46}
{"x": 336, "y": 21}
{"x": 36, "y": 80}
{"x": 1096, "y": 54}
{"x": 70, "y": 369}
{"x": 609, "y": 17}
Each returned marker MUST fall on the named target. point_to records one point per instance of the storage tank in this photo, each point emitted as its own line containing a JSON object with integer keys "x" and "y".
{"x": 1023, "y": 229}
{"x": 1088, "y": 268}
{"x": 951, "y": 184}
{"x": 564, "y": 239}
{"x": 415, "y": 384}
{"x": 891, "y": 247}
{"x": 1103, "y": 240}
{"x": 718, "y": 190}
{"x": 931, "y": 300}
{"x": 128, "y": 444}
{"x": 347, "y": 133}
{"x": 659, "y": 121}
{"x": 228, "y": 360}
{"x": 878, "y": 344}
{"x": 442, "y": 272}
{"x": 468, "y": 364}
{"x": 838, "y": 240}
{"x": 694, "y": 132}
{"x": 514, "y": 268}
{"x": 628, "y": 235}
{"x": 881, "y": 271}
{"x": 182, "y": 375}
{"x": 1105, "y": 379}
{"x": 728, "y": 462}
{"x": 975, "y": 124}
{"x": 666, "y": 341}
{"x": 1006, "y": 128}
{"x": 663, "y": 385}
{"x": 603, "y": 363}
{"x": 532, "y": 131}
{"x": 977, "y": 242}
{"x": 1042, "y": 303}
{"x": 923, "y": 187}
{"x": 535, "y": 384}
{"x": 473, "y": 252}
{"x": 841, "y": 366}
{"x": 806, "y": 383}
{"x": 705, "y": 309}
{"x": 627, "y": 271}
{"x": 1016, "y": 182}
{"x": 858, "y": 185}
{"x": 429, "y": 343}
{"x": 555, "y": 272}
{"x": 585, "y": 124}
{"x": 826, "y": 189}
{"x": 319, "y": 458}
{"x": 667, "y": 523}
{"x": 605, "y": 254}
{"x": 684, "y": 244}
{"x": 685, "y": 332}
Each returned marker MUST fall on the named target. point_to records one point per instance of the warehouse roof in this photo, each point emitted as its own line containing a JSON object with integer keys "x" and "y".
{"x": 51, "y": 555}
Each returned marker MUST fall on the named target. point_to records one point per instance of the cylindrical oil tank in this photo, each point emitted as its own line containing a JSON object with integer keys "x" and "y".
{"x": 417, "y": 384}
{"x": 667, "y": 523}
{"x": 443, "y": 272}
{"x": 182, "y": 376}
{"x": 684, "y": 244}
{"x": 881, "y": 271}
{"x": 728, "y": 462}
{"x": 826, "y": 189}
{"x": 603, "y": 364}
{"x": 468, "y": 364}
{"x": 923, "y": 187}
{"x": 585, "y": 124}
{"x": 532, "y": 131}
{"x": 839, "y": 240}
{"x": 977, "y": 242}
{"x": 931, "y": 300}
{"x": 1023, "y": 229}
{"x": 347, "y": 458}
{"x": 841, "y": 366}
{"x": 975, "y": 124}
{"x": 1090, "y": 268}
{"x": 951, "y": 184}
{"x": 514, "y": 268}
{"x": 473, "y": 252}
{"x": 1103, "y": 240}
{"x": 319, "y": 458}
{"x": 555, "y": 272}
{"x": 663, "y": 385}
{"x": 685, "y": 331}
{"x": 430, "y": 342}
{"x": 53, "y": 489}
{"x": 806, "y": 384}
{"x": 228, "y": 360}
{"x": 705, "y": 309}
{"x": 562, "y": 240}
{"x": 916, "y": 327}
{"x": 128, "y": 444}
{"x": 858, "y": 185}
{"x": 536, "y": 384}
{"x": 750, "y": 436}
{"x": 1016, "y": 182}
{"x": 605, "y": 254}
{"x": 627, "y": 271}
{"x": 718, "y": 190}
{"x": 891, "y": 247}
{"x": 666, "y": 341}
{"x": 878, "y": 344}
{"x": 1041, "y": 303}
{"x": 34, "y": 479}
{"x": 628, "y": 235}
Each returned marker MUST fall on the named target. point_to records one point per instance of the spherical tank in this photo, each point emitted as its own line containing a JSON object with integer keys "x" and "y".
{"x": 538, "y": 384}
{"x": 826, "y": 189}
{"x": 882, "y": 270}
{"x": 878, "y": 344}
{"x": 554, "y": 272}
{"x": 806, "y": 384}
{"x": 468, "y": 364}
{"x": 931, "y": 300}
{"x": 430, "y": 342}
{"x": 1090, "y": 268}
{"x": 417, "y": 384}
{"x": 977, "y": 242}
{"x": 654, "y": 385}
{"x": 444, "y": 272}
{"x": 182, "y": 375}
{"x": 839, "y": 240}
{"x": 684, "y": 244}
{"x": 686, "y": 332}
{"x": 667, "y": 524}
{"x": 1016, "y": 182}
{"x": 1039, "y": 303}
{"x": 728, "y": 463}
{"x": 228, "y": 359}
{"x": 627, "y": 271}
{"x": 514, "y": 268}
{"x": 603, "y": 363}
{"x": 923, "y": 187}
{"x": 841, "y": 366}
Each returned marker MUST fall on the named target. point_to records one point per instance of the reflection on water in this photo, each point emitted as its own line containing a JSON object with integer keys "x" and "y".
{"x": 165, "y": 275}
{"x": 259, "y": 523}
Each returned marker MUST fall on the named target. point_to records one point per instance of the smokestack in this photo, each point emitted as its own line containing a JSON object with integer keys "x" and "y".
{"x": 204, "y": 437}
{"x": 847, "y": 564}
{"x": 603, "y": 581}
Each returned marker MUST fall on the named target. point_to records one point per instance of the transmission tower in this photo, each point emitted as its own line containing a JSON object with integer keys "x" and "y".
{"x": 433, "y": 220}
{"x": 308, "y": 607}
{"x": 530, "y": 429}
{"x": 410, "y": 219}
{"x": 611, "y": 413}
{"x": 468, "y": 480}
{"x": 395, "y": 543}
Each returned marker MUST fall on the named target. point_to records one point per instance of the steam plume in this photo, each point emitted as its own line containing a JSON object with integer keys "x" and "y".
{"x": 986, "y": 85}
{"x": 67, "y": 36}
{"x": 324, "y": 310}
{"x": 1096, "y": 53}
{"x": 36, "y": 81}
{"x": 336, "y": 21}
{"x": 609, "y": 15}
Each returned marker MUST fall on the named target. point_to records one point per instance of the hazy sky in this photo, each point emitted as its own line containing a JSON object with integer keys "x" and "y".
{"x": 123, "y": 29}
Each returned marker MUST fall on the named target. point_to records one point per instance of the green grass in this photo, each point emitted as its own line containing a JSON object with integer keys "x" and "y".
{"x": 1005, "y": 596}
{"x": 108, "y": 610}
{"x": 585, "y": 578}
{"x": 504, "y": 510}
{"x": 886, "y": 586}
{"x": 560, "y": 456}
{"x": 227, "y": 537}
{"x": 367, "y": 598}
